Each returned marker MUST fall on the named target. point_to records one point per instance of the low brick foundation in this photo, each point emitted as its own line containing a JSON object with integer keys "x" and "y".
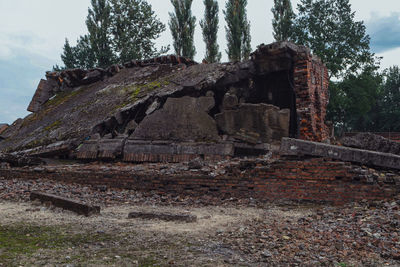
{"x": 315, "y": 179}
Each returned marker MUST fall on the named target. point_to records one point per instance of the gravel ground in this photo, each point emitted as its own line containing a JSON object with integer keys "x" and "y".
{"x": 227, "y": 233}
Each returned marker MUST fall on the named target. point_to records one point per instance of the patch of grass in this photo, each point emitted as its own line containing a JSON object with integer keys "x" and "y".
{"x": 25, "y": 240}
{"x": 343, "y": 264}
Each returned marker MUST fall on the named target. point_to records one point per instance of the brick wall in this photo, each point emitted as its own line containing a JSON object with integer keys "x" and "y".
{"x": 311, "y": 82}
{"x": 315, "y": 180}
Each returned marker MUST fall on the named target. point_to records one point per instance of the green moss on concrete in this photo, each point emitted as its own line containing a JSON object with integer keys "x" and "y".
{"x": 62, "y": 97}
{"x": 53, "y": 126}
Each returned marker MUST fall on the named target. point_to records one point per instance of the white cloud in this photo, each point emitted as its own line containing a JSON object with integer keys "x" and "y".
{"x": 390, "y": 58}
{"x": 5, "y": 52}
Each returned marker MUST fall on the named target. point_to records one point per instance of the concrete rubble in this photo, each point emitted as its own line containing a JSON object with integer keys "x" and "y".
{"x": 253, "y": 128}
{"x": 100, "y": 113}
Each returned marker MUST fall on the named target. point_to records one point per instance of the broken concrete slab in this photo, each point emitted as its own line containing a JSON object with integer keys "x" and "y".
{"x": 295, "y": 147}
{"x": 67, "y": 204}
{"x": 61, "y": 148}
{"x": 3, "y": 127}
{"x": 16, "y": 160}
{"x": 268, "y": 121}
{"x": 93, "y": 76}
{"x": 110, "y": 148}
{"x": 370, "y": 141}
{"x": 147, "y": 151}
{"x": 141, "y": 93}
{"x": 181, "y": 119}
{"x": 43, "y": 93}
{"x": 88, "y": 150}
{"x": 188, "y": 218}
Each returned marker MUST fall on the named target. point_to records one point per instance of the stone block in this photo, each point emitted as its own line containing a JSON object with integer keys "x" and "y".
{"x": 295, "y": 147}
{"x": 147, "y": 151}
{"x": 266, "y": 120}
{"x": 88, "y": 150}
{"x": 110, "y": 148}
{"x": 369, "y": 141}
{"x": 43, "y": 93}
{"x": 181, "y": 119}
{"x": 68, "y": 204}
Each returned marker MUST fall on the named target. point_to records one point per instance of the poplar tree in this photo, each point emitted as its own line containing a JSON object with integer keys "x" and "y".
{"x": 84, "y": 54}
{"x": 182, "y": 25}
{"x": 134, "y": 29}
{"x": 98, "y": 23}
{"x": 210, "y": 27}
{"x": 237, "y": 30}
{"x": 282, "y": 22}
{"x": 68, "y": 56}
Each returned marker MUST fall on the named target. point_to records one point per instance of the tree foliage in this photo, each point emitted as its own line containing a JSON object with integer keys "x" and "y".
{"x": 353, "y": 102}
{"x": 369, "y": 101}
{"x": 329, "y": 28}
{"x": 118, "y": 31}
{"x": 85, "y": 55}
{"x": 98, "y": 23}
{"x": 282, "y": 22}
{"x": 134, "y": 28}
{"x": 182, "y": 25}
{"x": 79, "y": 56}
{"x": 68, "y": 56}
{"x": 237, "y": 30}
{"x": 389, "y": 103}
{"x": 210, "y": 27}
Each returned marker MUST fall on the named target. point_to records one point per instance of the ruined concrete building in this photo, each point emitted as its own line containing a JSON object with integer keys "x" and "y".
{"x": 173, "y": 109}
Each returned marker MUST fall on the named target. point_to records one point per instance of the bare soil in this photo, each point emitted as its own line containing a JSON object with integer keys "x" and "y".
{"x": 227, "y": 232}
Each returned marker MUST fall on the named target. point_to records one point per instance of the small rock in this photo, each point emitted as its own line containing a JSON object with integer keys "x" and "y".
{"x": 266, "y": 254}
{"x": 196, "y": 163}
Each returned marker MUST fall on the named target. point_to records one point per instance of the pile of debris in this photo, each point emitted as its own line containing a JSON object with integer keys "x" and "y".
{"x": 369, "y": 141}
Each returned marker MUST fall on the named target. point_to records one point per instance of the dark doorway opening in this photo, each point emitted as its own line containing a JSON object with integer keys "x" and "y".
{"x": 276, "y": 88}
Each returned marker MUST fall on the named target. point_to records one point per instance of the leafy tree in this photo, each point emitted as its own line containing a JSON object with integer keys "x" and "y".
{"x": 390, "y": 101}
{"x": 118, "y": 30}
{"x": 68, "y": 56}
{"x": 134, "y": 28}
{"x": 328, "y": 27}
{"x": 282, "y": 22}
{"x": 353, "y": 102}
{"x": 98, "y": 23}
{"x": 237, "y": 30}
{"x": 209, "y": 26}
{"x": 58, "y": 68}
{"x": 79, "y": 56}
{"x": 85, "y": 55}
{"x": 182, "y": 25}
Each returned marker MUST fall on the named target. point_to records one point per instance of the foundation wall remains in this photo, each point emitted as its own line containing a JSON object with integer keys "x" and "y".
{"x": 299, "y": 179}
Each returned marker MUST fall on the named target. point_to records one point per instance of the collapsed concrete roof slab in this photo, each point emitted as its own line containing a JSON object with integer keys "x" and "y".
{"x": 126, "y": 99}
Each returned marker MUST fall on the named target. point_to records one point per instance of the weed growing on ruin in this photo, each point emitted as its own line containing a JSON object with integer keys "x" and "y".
{"x": 53, "y": 126}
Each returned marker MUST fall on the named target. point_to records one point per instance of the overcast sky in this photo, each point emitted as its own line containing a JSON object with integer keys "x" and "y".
{"x": 32, "y": 34}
